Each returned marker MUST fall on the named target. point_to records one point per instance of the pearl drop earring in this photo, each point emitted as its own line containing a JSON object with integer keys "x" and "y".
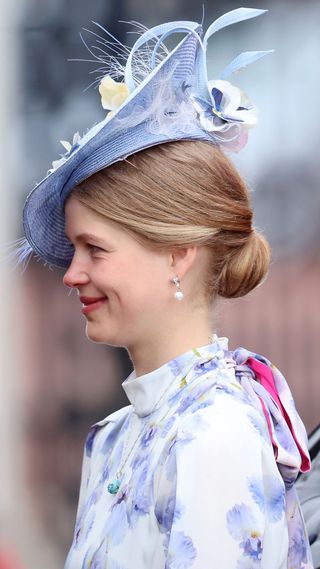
{"x": 178, "y": 294}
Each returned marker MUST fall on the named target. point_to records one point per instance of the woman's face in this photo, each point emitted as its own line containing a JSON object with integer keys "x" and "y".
{"x": 134, "y": 281}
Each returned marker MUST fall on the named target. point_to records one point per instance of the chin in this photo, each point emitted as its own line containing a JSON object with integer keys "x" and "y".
{"x": 100, "y": 337}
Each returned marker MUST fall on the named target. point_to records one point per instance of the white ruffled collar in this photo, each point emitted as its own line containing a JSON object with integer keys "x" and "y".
{"x": 150, "y": 391}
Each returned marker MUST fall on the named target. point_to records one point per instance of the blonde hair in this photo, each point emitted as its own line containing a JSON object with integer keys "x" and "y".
{"x": 185, "y": 193}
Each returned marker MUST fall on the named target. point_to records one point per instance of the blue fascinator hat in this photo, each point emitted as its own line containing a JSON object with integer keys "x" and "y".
{"x": 163, "y": 96}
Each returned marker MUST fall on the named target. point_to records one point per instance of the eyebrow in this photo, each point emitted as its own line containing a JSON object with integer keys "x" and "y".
{"x": 85, "y": 236}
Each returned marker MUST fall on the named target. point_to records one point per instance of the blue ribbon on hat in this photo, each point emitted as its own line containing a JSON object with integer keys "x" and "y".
{"x": 170, "y": 28}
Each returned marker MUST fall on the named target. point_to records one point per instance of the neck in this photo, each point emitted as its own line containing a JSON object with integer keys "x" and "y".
{"x": 161, "y": 347}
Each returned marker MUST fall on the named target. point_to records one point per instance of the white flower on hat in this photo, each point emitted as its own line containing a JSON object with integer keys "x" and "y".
{"x": 228, "y": 106}
{"x": 113, "y": 93}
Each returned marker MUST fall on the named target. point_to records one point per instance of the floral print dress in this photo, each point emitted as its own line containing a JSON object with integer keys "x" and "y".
{"x": 211, "y": 446}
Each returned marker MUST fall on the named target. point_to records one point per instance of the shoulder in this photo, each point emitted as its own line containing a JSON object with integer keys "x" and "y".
{"x": 220, "y": 443}
{"x": 114, "y": 417}
{"x": 111, "y": 423}
{"x": 219, "y": 402}
{"x": 230, "y": 418}
{"x": 226, "y": 427}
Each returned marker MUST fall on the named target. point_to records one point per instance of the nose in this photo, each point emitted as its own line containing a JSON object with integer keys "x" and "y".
{"x": 75, "y": 275}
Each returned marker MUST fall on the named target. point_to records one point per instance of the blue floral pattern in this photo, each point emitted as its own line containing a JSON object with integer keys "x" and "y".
{"x": 209, "y": 470}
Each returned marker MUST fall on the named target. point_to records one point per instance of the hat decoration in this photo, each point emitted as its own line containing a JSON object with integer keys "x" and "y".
{"x": 155, "y": 96}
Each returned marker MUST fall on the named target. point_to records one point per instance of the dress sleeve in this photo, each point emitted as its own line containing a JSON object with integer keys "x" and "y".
{"x": 222, "y": 503}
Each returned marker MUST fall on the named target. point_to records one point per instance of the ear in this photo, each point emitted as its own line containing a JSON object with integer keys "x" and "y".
{"x": 181, "y": 260}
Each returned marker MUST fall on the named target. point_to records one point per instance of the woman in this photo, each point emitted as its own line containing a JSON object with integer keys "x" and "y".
{"x": 152, "y": 223}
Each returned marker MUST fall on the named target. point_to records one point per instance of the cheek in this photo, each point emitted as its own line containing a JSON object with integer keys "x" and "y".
{"x": 136, "y": 280}
{"x": 148, "y": 281}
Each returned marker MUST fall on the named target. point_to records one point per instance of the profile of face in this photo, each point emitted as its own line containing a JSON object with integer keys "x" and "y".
{"x": 134, "y": 280}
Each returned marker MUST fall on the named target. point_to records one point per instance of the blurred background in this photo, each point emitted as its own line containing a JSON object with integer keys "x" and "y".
{"x": 54, "y": 382}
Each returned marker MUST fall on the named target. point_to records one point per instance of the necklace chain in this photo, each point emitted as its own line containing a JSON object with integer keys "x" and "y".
{"x": 143, "y": 428}
{"x": 114, "y": 486}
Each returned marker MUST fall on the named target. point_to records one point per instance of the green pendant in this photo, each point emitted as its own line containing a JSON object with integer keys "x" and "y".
{"x": 114, "y": 486}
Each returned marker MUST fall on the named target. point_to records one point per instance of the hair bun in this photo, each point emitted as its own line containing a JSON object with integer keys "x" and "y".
{"x": 246, "y": 268}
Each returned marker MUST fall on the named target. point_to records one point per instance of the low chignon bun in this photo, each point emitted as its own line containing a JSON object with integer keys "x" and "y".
{"x": 246, "y": 268}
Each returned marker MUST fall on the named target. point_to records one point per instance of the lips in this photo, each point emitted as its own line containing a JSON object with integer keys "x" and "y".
{"x": 92, "y": 303}
{"x": 86, "y": 300}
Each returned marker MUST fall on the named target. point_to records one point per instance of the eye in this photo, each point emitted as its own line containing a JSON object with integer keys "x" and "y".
{"x": 94, "y": 248}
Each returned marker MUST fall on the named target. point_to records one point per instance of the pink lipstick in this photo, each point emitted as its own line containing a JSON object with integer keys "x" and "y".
{"x": 92, "y": 303}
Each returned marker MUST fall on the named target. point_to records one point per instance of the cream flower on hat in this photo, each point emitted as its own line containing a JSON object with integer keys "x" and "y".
{"x": 113, "y": 94}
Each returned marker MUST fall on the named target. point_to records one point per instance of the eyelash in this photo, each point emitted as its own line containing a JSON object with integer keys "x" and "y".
{"x": 92, "y": 247}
